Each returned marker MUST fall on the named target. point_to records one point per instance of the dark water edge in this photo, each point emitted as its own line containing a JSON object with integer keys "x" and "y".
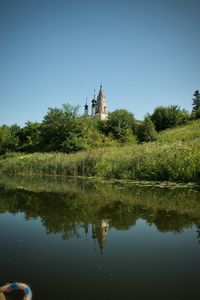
{"x": 86, "y": 239}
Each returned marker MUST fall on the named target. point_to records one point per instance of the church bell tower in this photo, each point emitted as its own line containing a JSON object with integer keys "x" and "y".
{"x": 101, "y": 110}
{"x": 86, "y": 114}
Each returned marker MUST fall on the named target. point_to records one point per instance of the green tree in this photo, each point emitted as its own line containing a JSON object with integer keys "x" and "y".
{"x": 92, "y": 134}
{"x": 146, "y": 131}
{"x": 196, "y": 105}
{"x": 61, "y": 130}
{"x": 170, "y": 116}
{"x": 196, "y": 101}
{"x": 8, "y": 138}
{"x": 30, "y": 137}
{"x": 120, "y": 125}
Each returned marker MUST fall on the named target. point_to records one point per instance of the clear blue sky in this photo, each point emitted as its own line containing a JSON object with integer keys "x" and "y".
{"x": 146, "y": 53}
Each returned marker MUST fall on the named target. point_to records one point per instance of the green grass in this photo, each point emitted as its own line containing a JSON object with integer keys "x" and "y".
{"x": 175, "y": 156}
{"x": 175, "y": 162}
{"x": 186, "y": 133}
{"x": 79, "y": 164}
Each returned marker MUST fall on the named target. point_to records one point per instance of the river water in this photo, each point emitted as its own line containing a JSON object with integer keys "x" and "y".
{"x": 77, "y": 239}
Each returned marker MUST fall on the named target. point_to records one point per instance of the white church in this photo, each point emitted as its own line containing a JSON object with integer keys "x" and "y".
{"x": 99, "y": 108}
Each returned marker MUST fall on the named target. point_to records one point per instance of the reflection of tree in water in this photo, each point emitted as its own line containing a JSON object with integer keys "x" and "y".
{"x": 198, "y": 233}
{"x": 169, "y": 221}
{"x": 66, "y": 212}
{"x": 121, "y": 215}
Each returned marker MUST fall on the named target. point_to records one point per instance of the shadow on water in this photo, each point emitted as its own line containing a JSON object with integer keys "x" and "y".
{"x": 64, "y": 205}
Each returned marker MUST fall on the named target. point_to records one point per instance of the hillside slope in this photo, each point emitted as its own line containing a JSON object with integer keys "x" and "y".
{"x": 186, "y": 133}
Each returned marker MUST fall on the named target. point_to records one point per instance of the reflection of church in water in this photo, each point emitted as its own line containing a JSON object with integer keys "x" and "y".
{"x": 99, "y": 233}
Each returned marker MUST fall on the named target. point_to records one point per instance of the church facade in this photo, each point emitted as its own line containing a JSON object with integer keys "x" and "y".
{"x": 99, "y": 109}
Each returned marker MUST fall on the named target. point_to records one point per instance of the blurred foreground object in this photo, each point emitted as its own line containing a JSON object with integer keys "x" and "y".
{"x": 15, "y": 291}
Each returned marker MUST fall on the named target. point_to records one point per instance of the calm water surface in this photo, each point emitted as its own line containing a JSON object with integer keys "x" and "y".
{"x": 93, "y": 240}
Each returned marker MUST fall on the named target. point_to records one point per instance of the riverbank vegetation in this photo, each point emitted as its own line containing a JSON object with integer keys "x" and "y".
{"x": 165, "y": 146}
{"x": 175, "y": 156}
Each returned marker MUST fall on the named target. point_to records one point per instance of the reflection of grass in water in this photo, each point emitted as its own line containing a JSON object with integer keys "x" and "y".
{"x": 65, "y": 212}
{"x": 92, "y": 194}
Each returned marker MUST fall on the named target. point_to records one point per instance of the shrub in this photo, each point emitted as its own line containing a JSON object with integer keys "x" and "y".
{"x": 168, "y": 117}
{"x": 145, "y": 131}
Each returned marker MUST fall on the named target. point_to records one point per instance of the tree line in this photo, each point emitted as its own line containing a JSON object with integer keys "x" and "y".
{"x": 63, "y": 130}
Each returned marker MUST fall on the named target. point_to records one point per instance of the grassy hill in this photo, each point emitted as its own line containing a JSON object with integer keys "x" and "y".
{"x": 186, "y": 133}
{"x": 175, "y": 156}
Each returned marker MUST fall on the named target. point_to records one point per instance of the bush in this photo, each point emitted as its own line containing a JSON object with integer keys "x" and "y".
{"x": 145, "y": 131}
{"x": 168, "y": 117}
{"x": 8, "y": 138}
{"x": 120, "y": 125}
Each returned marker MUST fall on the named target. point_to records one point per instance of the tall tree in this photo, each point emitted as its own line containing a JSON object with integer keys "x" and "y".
{"x": 61, "y": 130}
{"x": 196, "y": 105}
{"x": 170, "y": 116}
{"x": 196, "y": 101}
{"x": 30, "y": 136}
{"x": 120, "y": 125}
{"x": 8, "y": 138}
{"x": 146, "y": 131}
